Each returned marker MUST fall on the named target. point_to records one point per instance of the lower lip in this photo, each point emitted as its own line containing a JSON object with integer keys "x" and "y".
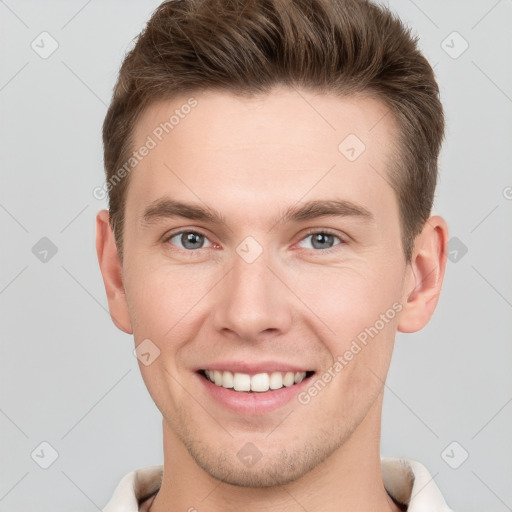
{"x": 253, "y": 403}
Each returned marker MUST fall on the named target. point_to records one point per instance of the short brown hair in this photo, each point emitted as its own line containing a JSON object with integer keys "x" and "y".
{"x": 248, "y": 46}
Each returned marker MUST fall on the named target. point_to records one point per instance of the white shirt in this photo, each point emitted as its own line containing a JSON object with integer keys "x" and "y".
{"x": 406, "y": 480}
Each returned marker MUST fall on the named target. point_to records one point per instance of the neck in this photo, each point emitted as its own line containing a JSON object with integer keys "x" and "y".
{"x": 349, "y": 479}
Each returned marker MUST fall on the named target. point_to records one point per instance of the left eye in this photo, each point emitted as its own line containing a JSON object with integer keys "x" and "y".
{"x": 189, "y": 239}
{"x": 322, "y": 240}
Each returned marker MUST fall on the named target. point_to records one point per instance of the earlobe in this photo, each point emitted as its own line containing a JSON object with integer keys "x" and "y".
{"x": 111, "y": 271}
{"x": 425, "y": 275}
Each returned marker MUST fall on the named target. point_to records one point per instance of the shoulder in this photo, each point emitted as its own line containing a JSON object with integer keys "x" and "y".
{"x": 410, "y": 482}
{"x": 134, "y": 488}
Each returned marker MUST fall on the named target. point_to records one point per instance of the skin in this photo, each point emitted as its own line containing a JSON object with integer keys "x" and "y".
{"x": 250, "y": 159}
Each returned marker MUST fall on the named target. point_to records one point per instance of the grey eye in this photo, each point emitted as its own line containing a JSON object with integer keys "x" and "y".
{"x": 322, "y": 240}
{"x": 189, "y": 240}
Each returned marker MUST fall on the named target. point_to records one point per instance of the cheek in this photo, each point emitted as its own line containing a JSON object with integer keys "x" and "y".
{"x": 166, "y": 304}
{"x": 349, "y": 297}
{"x": 358, "y": 307}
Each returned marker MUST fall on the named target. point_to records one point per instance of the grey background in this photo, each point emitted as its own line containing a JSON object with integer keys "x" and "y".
{"x": 68, "y": 376}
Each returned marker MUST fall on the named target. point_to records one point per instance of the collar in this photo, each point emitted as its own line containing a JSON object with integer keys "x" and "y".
{"x": 407, "y": 481}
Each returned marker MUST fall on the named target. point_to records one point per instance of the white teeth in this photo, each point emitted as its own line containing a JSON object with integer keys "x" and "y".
{"x": 217, "y": 377}
{"x": 289, "y": 379}
{"x": 276, "y": 380}
{"x": 227, "y": 380}
{"x": 242, "y": 382}
{"x": 260, "y": 382}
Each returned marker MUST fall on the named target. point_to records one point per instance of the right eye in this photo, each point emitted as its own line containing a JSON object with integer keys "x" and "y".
{"x": 190, "y": 241}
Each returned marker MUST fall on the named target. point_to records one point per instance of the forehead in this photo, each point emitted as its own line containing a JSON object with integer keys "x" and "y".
{"x": 279, "y": 146}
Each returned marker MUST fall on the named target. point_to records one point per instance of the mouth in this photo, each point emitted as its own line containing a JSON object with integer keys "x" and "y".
{"x": 264, "y": 382}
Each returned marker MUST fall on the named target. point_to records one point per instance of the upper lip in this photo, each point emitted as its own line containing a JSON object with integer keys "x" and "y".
{"x": 253, "y": 368}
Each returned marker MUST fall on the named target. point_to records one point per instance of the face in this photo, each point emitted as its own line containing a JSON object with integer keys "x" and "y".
{"x": 297, "y": 268}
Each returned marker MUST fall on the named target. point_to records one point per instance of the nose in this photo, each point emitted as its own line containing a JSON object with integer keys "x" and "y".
{"x": 253, "y": 301}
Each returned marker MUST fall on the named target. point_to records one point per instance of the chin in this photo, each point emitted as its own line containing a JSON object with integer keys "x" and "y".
{"x": 269, "y": 467}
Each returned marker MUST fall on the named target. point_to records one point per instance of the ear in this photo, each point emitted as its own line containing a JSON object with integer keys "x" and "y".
{"x": 424, "y": 276}
{"x": 111, "y": 270}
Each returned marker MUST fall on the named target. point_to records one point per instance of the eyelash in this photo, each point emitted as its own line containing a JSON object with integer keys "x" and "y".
{"x": 308, "y": 234}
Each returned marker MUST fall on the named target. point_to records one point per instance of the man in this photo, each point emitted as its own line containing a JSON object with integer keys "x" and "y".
{"x": 271, "y": 169}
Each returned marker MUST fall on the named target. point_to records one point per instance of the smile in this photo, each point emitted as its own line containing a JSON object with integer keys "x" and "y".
{"x": 259, "y": 382}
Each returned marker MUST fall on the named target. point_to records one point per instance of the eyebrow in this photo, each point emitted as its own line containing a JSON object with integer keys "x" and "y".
{"x": 166, "y": 208}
